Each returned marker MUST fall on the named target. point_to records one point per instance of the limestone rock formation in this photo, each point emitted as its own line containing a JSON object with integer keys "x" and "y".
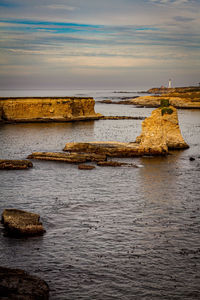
{"x": 160, "y": 132}
{"x": 17, "y": 284}
{"x": 21, "y": 223}
{"x": 10, "y": 164}
{"x": 43, "y": 109}
{"x": 68, "y": 157}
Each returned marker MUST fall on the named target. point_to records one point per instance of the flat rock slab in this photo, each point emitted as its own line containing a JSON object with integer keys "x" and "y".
{"x": 111, "y": 149}
{"x": 19, "y": 223}
{"x": 68, "y": 157}
{"x": 17, "y": 284}
{"x": 9, "y": 164}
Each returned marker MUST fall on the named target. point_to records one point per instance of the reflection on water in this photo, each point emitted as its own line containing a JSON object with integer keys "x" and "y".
{"x": 112, "y": 233}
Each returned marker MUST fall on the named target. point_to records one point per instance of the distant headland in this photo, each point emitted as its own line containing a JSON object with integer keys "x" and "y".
{"x": 179, "y": 97}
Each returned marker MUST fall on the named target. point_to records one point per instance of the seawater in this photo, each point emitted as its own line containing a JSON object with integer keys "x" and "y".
{"x": 111, "y": 233}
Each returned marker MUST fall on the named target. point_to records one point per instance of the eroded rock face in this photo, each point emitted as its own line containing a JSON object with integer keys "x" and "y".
{"x": 16, "y": 284}
{"x": 160, "y": 132}
{"x": 43, "y": 109}
{"x": 21, "y": 223}
{"x": 9, "y": 164}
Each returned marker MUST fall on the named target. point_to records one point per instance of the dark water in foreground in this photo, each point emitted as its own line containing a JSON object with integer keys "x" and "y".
{"x": 112, "y": 233}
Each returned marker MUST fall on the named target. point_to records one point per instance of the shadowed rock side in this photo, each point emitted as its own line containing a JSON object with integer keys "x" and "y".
{"x": 160, "y": 132}
{"x": 67, "y": 157}
{"x": 188, "y": 97}
{"x": 21, "y": 223}
{"x": 8, "y": 164}
{"x": 47, "y": 109}
{"x": 17, "y": 284}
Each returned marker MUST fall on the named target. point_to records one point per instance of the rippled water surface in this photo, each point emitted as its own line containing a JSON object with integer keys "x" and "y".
{"x": 111, "y": 233}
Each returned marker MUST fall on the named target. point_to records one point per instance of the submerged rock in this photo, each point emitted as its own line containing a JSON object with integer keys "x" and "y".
{"x": 19, "y": 223}
{"x": 160, "y": 132}
{"x": 67, "y": 157}
{"x": 17, "y": 284}
{"x": 10, "y": 164}
{"x": 111, "y": 163}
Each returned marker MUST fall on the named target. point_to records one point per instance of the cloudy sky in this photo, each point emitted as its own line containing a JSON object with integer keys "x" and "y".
{"x": 99, "y": 43}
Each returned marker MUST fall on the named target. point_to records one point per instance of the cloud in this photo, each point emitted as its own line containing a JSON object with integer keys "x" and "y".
{"x": 60, "y": 7}
{"x": 183, "y": 19}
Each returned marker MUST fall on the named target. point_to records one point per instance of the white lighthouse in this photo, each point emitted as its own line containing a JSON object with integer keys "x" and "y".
{"x": 170, "y": 84}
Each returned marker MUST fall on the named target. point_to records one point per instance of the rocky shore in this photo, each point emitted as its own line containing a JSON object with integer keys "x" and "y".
{"x": 180, "y": 97}
{"x": 44, "y": 109}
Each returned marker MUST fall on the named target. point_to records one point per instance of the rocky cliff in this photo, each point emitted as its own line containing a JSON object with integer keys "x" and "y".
{"x": 47, "y": 109}
{"x": 160, "y": 132}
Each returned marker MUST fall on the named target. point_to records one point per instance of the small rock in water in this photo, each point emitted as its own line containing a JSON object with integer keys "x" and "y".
{"x": 192, "y": 158}
{"x": 86, "y": 167}
{"x": 19, "y": 223}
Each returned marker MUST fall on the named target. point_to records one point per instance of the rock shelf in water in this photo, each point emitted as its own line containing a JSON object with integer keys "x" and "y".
{"x": 17, "y": 284}
{"x": 10, "y": 164}
{"x": 19, "y": 223}
{"x": 68, "y": 157}
{"x": 160, "y": 132}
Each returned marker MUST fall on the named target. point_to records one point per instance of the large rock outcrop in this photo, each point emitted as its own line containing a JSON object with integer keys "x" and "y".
{"x": 17, "y": 284}
{"x": 43, "y": 109}
{"x": 21, "y": 223}
{"x": 160, "y": 132}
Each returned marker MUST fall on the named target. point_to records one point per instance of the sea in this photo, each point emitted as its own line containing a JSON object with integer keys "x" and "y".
{"x": 119, "y": 233}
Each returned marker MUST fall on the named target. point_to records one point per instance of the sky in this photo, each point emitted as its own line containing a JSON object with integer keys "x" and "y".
{"x": 54, "y": 44}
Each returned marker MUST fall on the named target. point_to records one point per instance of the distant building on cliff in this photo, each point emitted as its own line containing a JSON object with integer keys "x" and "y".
{"x": 170, "y": 84}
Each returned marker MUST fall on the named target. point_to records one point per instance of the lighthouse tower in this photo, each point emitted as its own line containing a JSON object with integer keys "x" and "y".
{"x": 170, "y": 84}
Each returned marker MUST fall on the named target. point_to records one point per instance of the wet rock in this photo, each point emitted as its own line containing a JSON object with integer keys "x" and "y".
{"x": 17, "y": 284}
{"x": 68, "y": 157}
{"x": 9, "y": 164}
{"x": 86, "y": 167}
{"x": 112, "y": 163}
{"x": 19, "y": 223}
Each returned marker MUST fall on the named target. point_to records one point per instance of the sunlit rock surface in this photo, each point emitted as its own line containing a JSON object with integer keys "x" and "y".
{"x": 47, "y": 109}
{"x": 160, "y": 132}
{"x": 19, "y": 223}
